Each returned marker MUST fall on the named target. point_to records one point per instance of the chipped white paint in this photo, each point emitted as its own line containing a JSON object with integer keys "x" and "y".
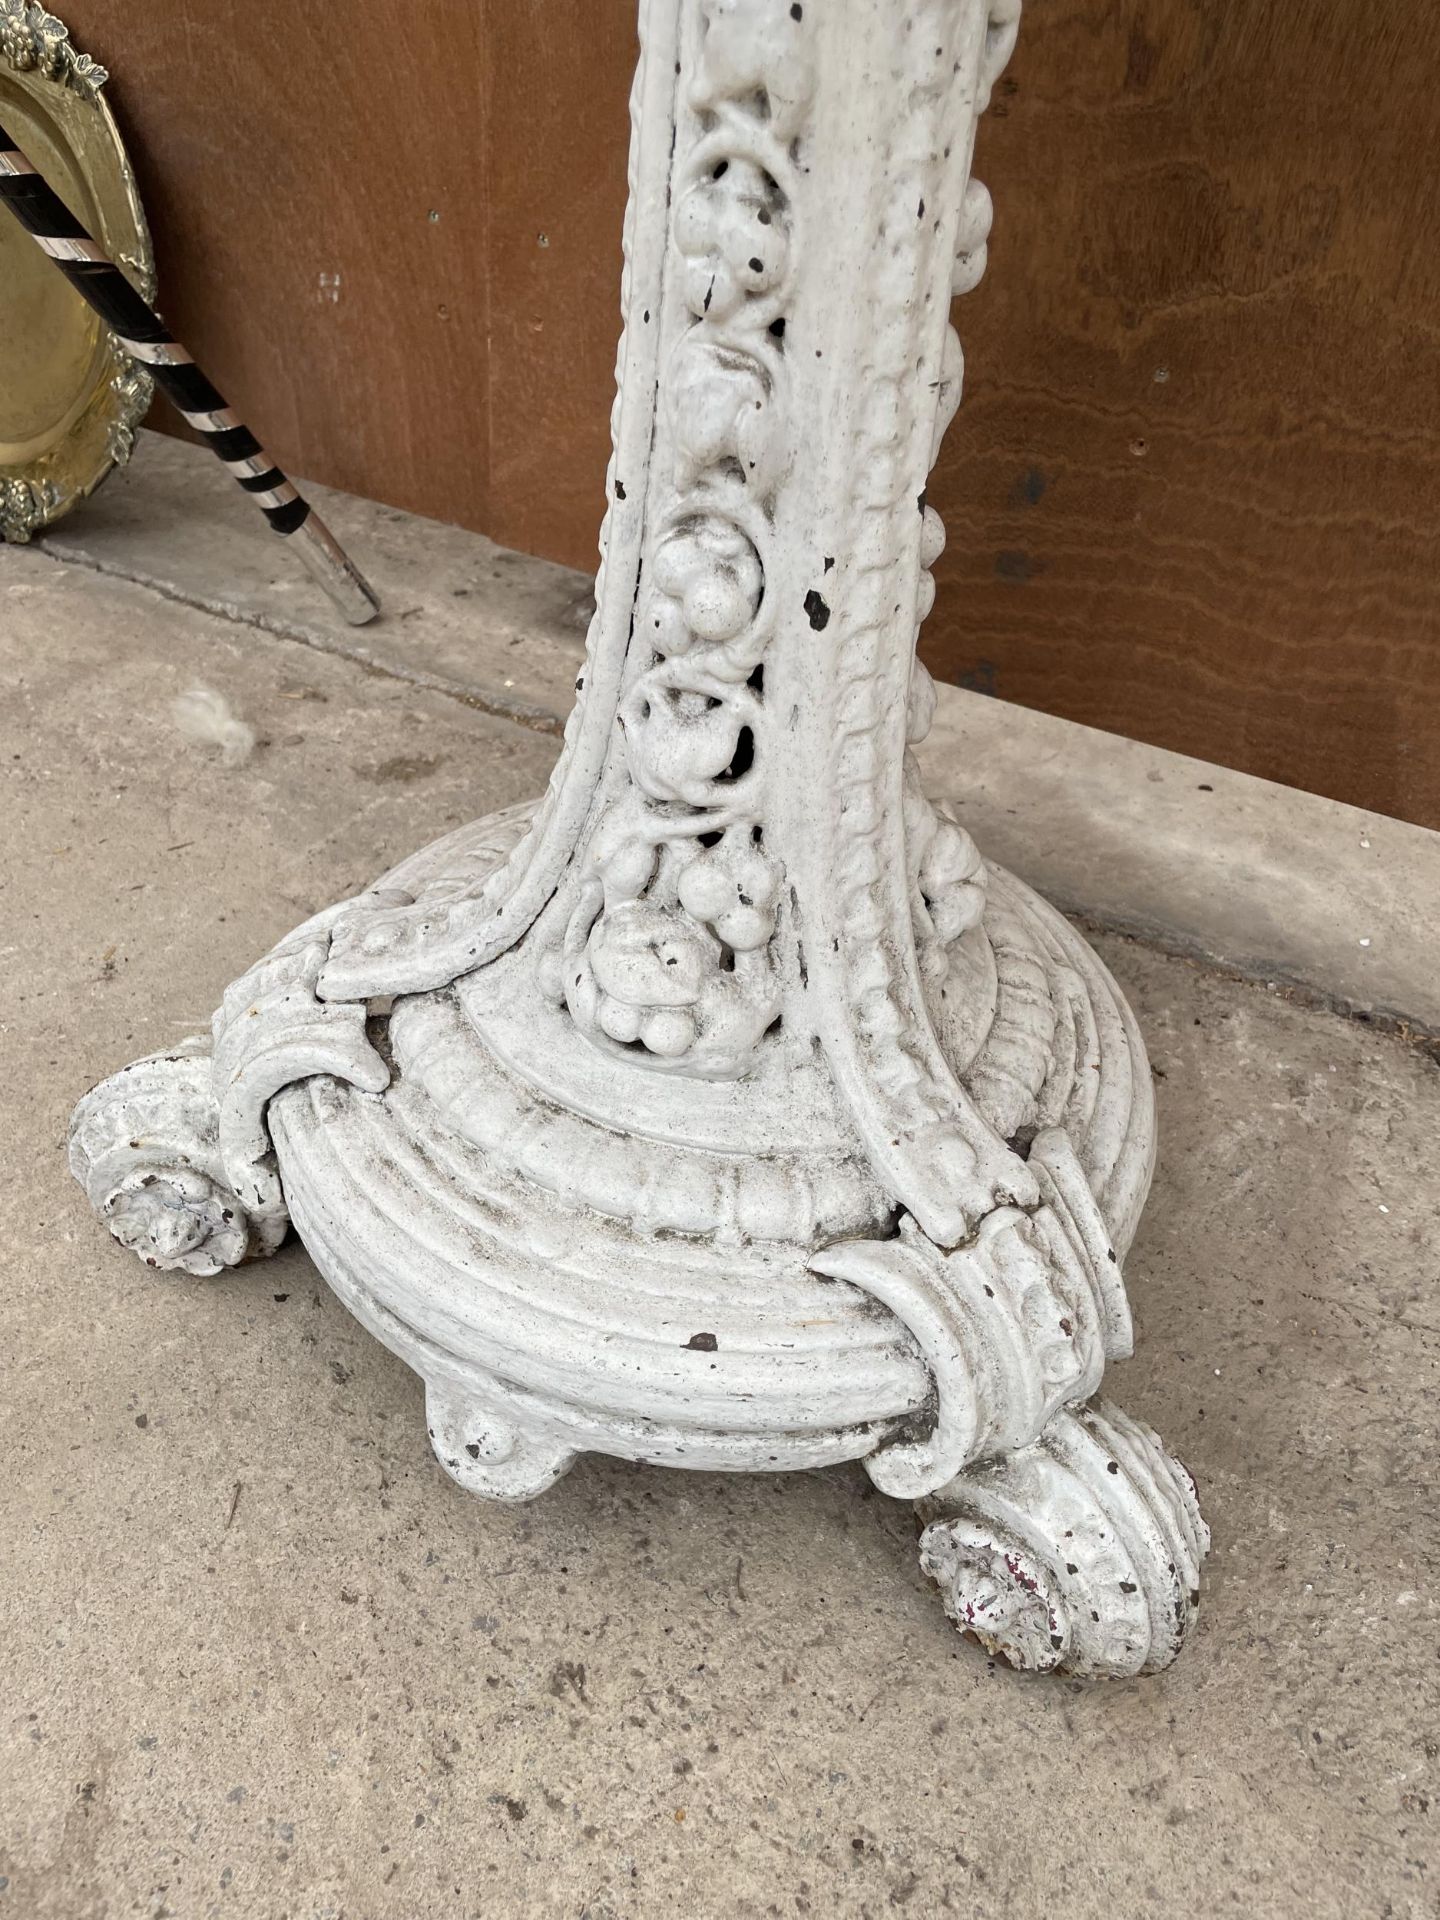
{"x": 724, "y": 1108}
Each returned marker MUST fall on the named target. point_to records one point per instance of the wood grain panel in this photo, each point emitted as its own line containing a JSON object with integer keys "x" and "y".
{"x": 559, "y": 129}
{"x": 314, "y": 179}
{"x": 1192, "y": 492}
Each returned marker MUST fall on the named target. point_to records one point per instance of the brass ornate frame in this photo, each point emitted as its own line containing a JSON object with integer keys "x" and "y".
{"x": 42, "y": 72}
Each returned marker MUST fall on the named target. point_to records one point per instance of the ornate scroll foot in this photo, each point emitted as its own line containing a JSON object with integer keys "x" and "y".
{"x": 145, "y": 1146}
{"x": 174, "y": 1151}
{"x": 1080, "y": 1553}
{"x": 490, "y": 1453}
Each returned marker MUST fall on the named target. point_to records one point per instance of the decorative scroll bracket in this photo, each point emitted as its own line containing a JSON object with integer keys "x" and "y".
{"x": 1014, "y": 1325}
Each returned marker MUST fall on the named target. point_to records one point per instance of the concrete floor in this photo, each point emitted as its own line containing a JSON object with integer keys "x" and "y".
{"x": 262, "y": 1658}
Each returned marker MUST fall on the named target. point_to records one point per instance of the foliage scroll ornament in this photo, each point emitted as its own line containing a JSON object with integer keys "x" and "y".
{"x": 34, "y": 41}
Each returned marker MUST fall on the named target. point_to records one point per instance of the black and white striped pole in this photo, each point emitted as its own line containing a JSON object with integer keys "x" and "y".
{"x": 145, "y": 336}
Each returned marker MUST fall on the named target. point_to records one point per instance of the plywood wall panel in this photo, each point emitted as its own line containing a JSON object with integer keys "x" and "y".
{"x": 1192, "y": 492}
{"x": 1193, "y": 489}
{"x": 291, "y": 159}
{"x": 559, "y": 88}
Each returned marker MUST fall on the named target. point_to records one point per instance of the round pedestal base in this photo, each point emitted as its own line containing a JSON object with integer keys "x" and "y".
{"x": 618, "y": 1272}
{"x": 564, "y": 1284}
